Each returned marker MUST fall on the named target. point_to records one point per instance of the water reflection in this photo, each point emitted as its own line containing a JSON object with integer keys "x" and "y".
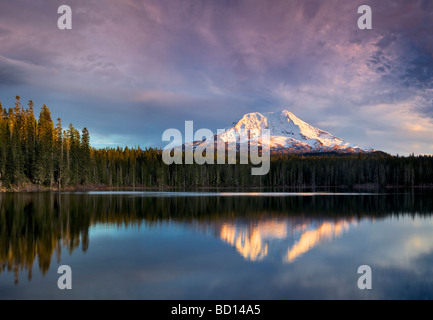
{"x": 285, "y": 239}
{"x": 311, "y": 238}
{"x": 39, "y": 226}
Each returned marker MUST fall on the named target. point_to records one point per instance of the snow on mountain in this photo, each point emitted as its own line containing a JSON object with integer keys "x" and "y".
{"x": 288, "y": 134}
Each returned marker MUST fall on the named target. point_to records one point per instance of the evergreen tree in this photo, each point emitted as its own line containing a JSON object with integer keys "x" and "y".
{"x": 85, "y": 160}
{"x": 59, "y": 154}
{"x": 44, "y": 168}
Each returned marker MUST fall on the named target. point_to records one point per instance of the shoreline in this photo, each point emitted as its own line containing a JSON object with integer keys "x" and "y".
{"x": 89, "y": 188}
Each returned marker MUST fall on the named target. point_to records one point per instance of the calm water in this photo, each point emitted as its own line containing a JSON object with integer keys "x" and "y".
{"x": 158, "y": 245}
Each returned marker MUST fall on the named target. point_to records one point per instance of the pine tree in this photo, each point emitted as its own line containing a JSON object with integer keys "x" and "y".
{"x": 59, "y": 154}
{"x": 29, "y": 141}
{"x": 85, "y": 160}
{"x": 73, "y": 154}
{"x": 44, "y": 174}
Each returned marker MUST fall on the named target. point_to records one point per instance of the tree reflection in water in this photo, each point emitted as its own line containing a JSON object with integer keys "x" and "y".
{"x": 37, "y": 226}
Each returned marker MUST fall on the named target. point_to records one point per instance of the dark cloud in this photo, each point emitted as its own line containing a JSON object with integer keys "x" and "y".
{"x": 30, "y": 54}
{"x": 418, "y": 72}
{"x": 11, "y": 75}
{"x": 386, "y": 40}
{"x": 4, "y": 32}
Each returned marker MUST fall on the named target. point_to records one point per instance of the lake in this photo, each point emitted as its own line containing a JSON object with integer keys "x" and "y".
{"x": 217, "y": 245}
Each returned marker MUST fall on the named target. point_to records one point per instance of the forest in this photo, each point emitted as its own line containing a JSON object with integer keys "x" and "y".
{"x": 38, "y": 155}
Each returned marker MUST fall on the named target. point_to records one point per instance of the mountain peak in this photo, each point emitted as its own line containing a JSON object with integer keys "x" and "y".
{"x": 288, "y": 134}
{"x": 288, "y": 114}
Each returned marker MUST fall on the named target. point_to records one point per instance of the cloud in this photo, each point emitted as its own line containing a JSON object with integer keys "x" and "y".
{"x": 11, "y": 74}
{"x": 167, "y": 99}
{"x": 4, "y": 32}
{"x": 216, "y": 60}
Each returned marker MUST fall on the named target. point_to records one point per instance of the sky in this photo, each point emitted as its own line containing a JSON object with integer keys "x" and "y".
{"x": 128, "y": 70}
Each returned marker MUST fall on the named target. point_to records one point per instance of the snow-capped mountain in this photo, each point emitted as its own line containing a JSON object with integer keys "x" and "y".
{"x": 288, "y": 134}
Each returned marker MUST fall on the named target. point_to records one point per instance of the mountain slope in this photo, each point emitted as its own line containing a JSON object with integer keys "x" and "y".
{"x": 288, "y": 134}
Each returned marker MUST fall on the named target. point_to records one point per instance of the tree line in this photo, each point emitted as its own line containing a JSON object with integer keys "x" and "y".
{"x": 39, "y": 153}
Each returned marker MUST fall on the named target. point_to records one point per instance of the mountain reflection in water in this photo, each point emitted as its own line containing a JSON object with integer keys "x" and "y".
{"x": 37, "y": 226}
{"x": 293, "y": 236}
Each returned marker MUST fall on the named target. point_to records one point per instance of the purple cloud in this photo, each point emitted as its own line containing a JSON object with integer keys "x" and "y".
{"x": 132, "y": 69}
